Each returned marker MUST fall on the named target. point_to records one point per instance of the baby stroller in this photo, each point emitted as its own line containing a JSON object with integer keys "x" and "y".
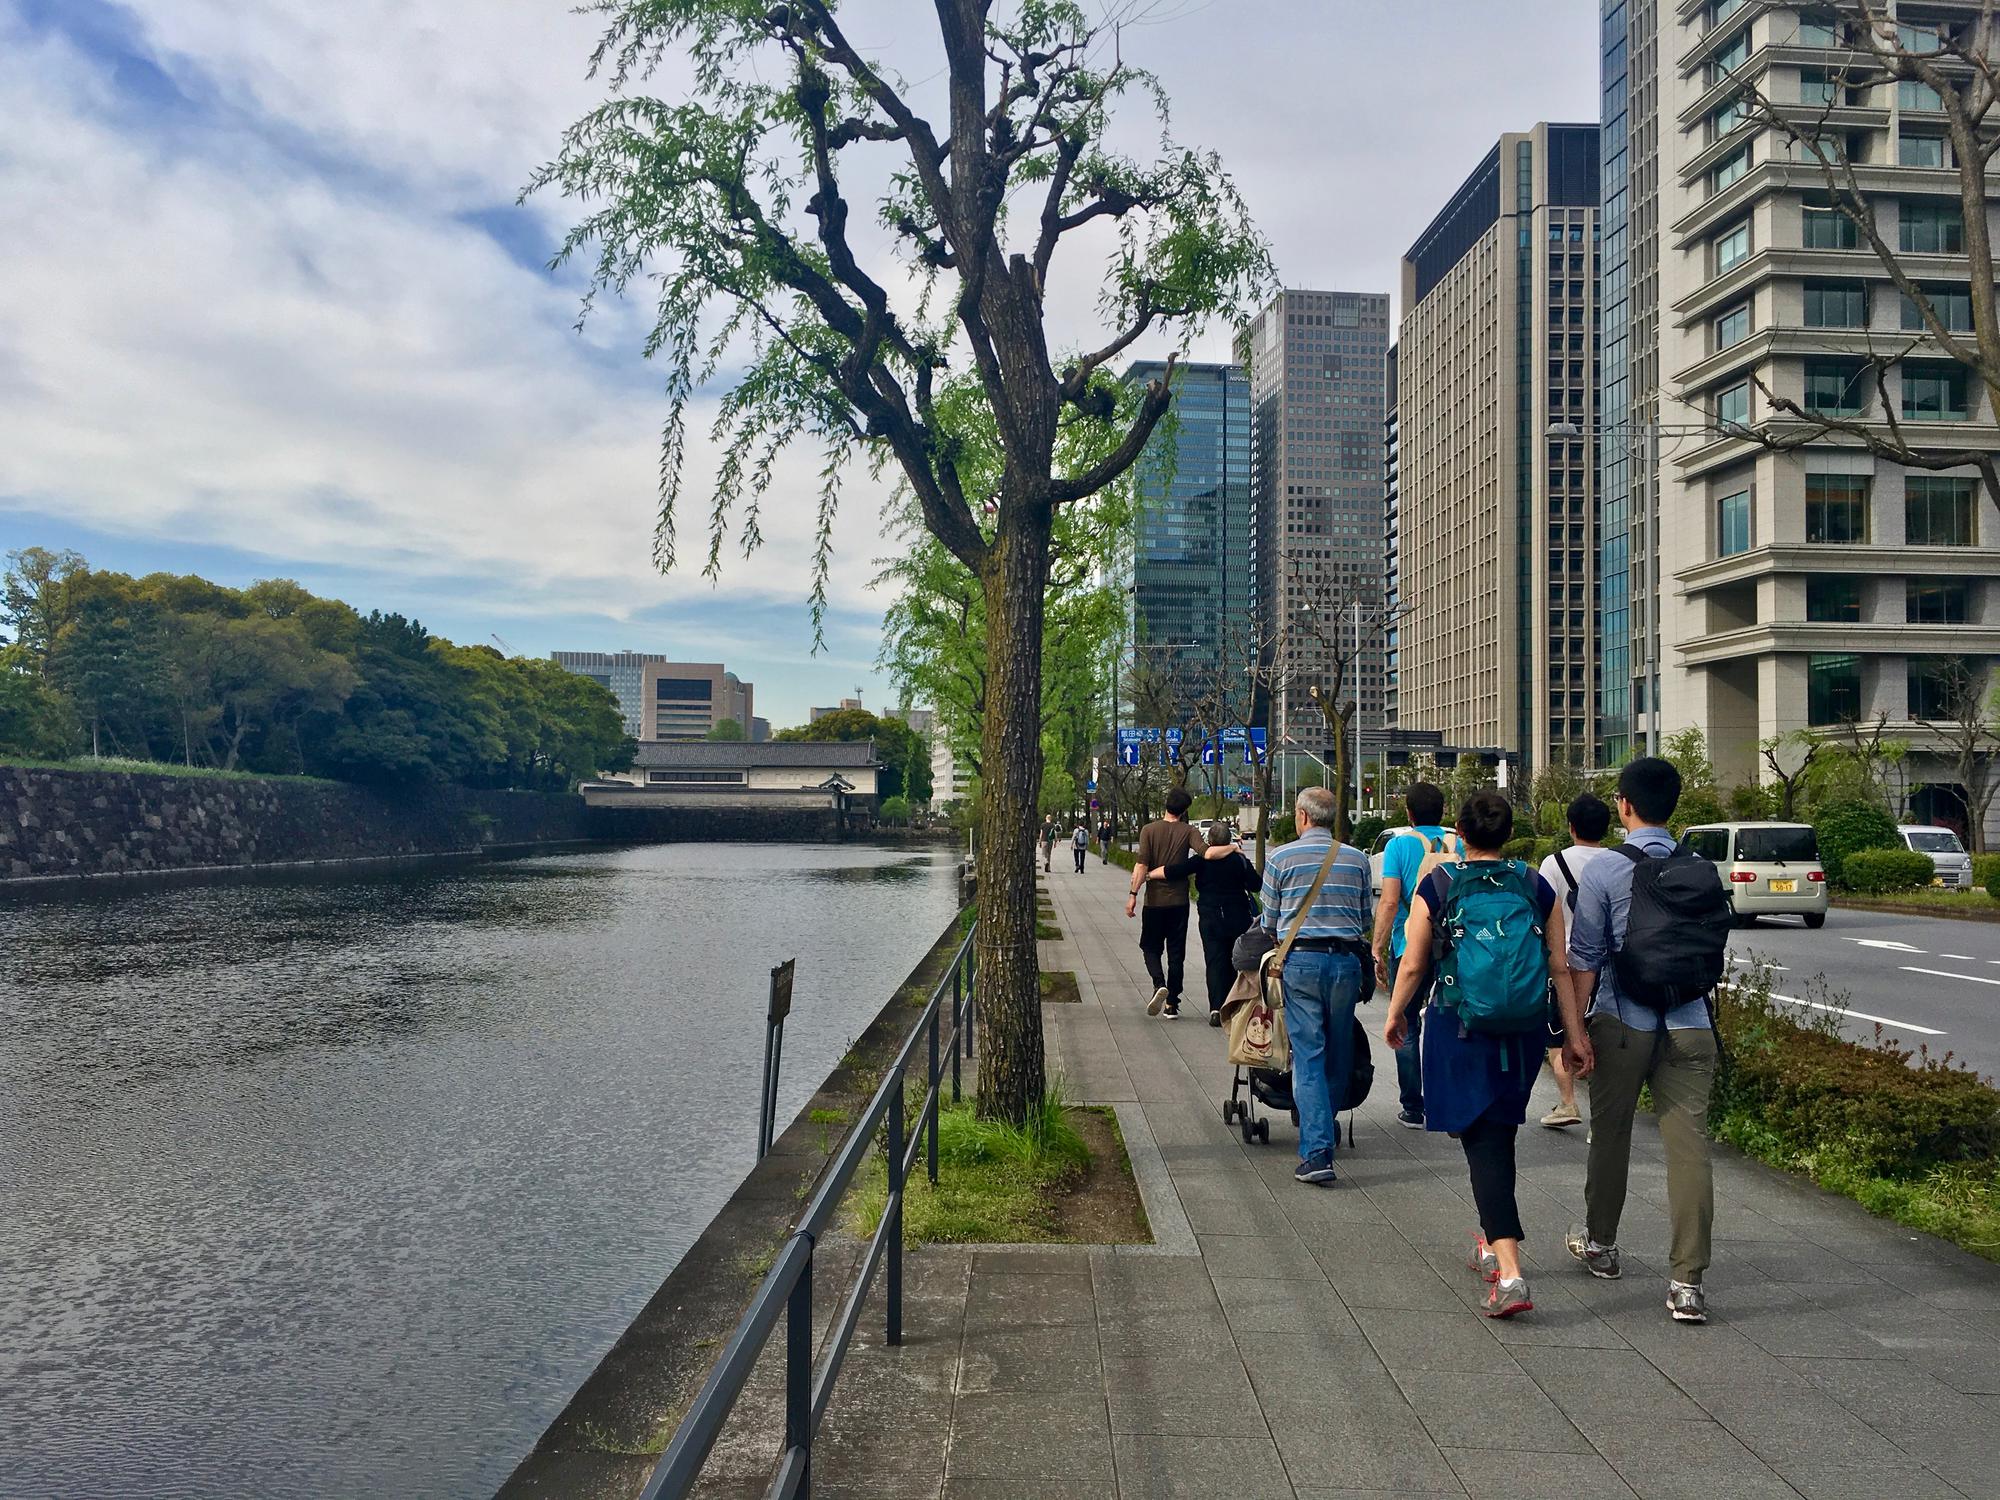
{"x": 1251, "y": 1087}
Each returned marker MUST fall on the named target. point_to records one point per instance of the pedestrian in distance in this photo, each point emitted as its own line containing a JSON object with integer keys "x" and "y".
{"x": 1079, "y": 845}
{"x": 1648, "y": 941}
{"x": 1589, "y": 820}
{"x": 1163, "y": 930}
{"x": 1492, "y": 931}
{"x": 1225, "y": 888}
{"x": 1048, "y": 843}
{"x": 1328, "y": 881}
{"x": 1105, "y": 830}
{"x": 1411, "y": 855}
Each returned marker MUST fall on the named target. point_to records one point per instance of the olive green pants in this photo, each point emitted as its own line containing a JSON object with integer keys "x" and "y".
{"x": 1680, "y": 1066}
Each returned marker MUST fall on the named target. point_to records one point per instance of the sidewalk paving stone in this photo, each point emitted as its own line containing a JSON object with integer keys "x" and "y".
{"x": 1293, "y": 1343}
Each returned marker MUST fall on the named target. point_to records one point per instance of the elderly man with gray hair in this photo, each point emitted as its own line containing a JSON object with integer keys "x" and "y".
{"x": 1328, "y": 881}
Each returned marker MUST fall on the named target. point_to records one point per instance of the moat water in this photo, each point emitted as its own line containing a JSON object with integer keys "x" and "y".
{"x": 342, "y": 1187}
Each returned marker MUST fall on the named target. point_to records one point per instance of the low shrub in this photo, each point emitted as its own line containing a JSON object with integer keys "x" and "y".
{"x": 1367, "y": 830}
{"x": 1518, "y": 849}
{"x": 1904, "y": 1133}
{"x": 1846, "y": 826}
{"x": 1283, "y": 830}
{"x": 1985, "y": 870}
{"x": 1872, "y": 872}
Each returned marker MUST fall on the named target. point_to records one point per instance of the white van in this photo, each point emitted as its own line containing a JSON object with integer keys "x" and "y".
{"x": 1770, "y": 869}
{"x": 1951, "y": 866}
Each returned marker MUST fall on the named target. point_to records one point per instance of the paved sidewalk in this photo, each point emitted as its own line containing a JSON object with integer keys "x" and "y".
{"x": 1314, "y": 1343}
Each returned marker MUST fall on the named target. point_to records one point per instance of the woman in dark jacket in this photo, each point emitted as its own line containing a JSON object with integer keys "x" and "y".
{"x": 1225, "y": 884}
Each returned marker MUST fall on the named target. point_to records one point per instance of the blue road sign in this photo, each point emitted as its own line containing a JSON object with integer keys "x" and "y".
{"x": 1128, "y": 753}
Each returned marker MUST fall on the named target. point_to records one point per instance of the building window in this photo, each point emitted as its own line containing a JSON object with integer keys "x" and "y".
{"x": 1722, "y": 10}
{"x": 1732, "y": 249}
{"x": 1920, "y": 151}
{"x": 1730, "y": 168}
{"x": 1818, "y": 29}
{"x": 1819, "y": 86}
{"x": 1937, "y": 511}
{"x": 1823, "y": 227}
{"x": 1935, "y": 393}
{"x": 1833, "y": 689}
{"x": 1732, "y": 524}
{"x": 1837, "y": 508}
{"x": 1833, "y": 598}
{"x": 1732, "y": 407}
{"x": 695, "y": 778}
{"x": 1730, "y": 56}
{"x": 1937, "y": 601}
{"x": 684, "y": 689}
{"x": 1836, "y": 304}
{"x": 1834, "y": 389}
{"x": 1733, "y": 327}
{"x": 1932, "y": 229}
{"x": 1912, "y": 93}
{"x": 1937, "y": 686}
{"x": 1953, "y": 306}
{"x": 1727, "y": 118}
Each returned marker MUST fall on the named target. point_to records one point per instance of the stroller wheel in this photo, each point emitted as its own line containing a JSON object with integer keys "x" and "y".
{"x": 1228, "y": 1110}
{"x": 1264, "y": 1130}
{"x": 1249, "y": 1130}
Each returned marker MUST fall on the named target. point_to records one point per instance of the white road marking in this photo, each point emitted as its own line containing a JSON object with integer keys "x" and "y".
{"x": 1859, "y": 1015}
{"x": 1774, "y": 968}
{"x": 1964, "y": 958}
{"x": 1893, "y": 947}
{"x": 1947, "y": 974}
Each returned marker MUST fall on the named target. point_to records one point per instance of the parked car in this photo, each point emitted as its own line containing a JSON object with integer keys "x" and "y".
{"x": 1375, "y": 854}
{"x": 1951, "y": 865}
{"x": 1770, "y": 869}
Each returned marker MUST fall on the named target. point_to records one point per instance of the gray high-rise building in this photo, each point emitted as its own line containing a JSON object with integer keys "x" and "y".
{"x": 663, "y": 699}
{"x": 1392, "y": 542}
{"x": 1319, "y": 400}
{"x": 1193, "y": 564}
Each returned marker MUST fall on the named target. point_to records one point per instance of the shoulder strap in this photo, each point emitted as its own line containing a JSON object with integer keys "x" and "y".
{"x": 1634, "y": 853}
{"x": 1306, "y": 906}
{"x": 1568, "y": 874}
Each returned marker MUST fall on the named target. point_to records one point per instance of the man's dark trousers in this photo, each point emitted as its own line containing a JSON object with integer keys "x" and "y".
{"x": 1165, "y": 927}
{"x": 1409, "y": 1056}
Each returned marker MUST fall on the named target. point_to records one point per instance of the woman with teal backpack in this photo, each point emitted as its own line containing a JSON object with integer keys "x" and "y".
{"x": 1492, "y": 931}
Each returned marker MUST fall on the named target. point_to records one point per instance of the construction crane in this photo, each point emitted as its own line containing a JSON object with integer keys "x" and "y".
{"x": 501, "y": 644}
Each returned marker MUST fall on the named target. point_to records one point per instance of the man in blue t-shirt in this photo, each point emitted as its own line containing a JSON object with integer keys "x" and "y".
{"x": 1401, "y": 863}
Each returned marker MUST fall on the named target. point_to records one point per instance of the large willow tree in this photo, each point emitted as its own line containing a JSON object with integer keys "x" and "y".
{"x": 839, "y": 330}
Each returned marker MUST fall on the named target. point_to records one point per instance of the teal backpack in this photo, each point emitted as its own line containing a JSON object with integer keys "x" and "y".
{"x": 1491, "y": 948}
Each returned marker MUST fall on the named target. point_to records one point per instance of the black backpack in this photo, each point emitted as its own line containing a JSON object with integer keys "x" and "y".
{"x": 1676, "y": 931}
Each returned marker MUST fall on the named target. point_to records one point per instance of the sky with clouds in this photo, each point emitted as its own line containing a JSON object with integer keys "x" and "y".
{"x": 268, "y": 307}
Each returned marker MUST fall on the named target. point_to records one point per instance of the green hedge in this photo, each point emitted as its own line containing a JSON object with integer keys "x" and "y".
{"x": 1871, "y": 872}
{"x": 1518, "y": 849}
{"x": 1985, "y": 870}
{"x": 1845, "y": 826}
{"x": 1813, "y": 1091}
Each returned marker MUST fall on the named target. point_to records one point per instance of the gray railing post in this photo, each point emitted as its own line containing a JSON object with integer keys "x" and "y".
{"x": 895, "y": 1240}
{"x": 957, "y": 1024}
{"x": 798, "y": 1372}
{"x": 932, "y": 1096}
{"x": 971, "y": 995}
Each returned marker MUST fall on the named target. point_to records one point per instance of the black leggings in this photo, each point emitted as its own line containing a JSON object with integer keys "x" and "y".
{"x": 1489, "y": 1152}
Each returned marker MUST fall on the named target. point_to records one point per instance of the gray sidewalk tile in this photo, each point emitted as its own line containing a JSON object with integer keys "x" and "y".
{"x": 1187, "y": 1467}
{"x": 999, "y": 1301}
{"x": 1421, "y": 1340}
{"x": 1902, "y": 1479}
{"x": 1687, "y": 1461}
{"x": 1259, "y": 1258}
{"x": 1041, "y": 1436}
{"x": 1496, "y": 1474}
{"x": 1255, "y": 1307}
{"x": 1490, "y": 1411}
{"x": 1364, "y": 1458}
{"x": 1037, "y": 1359}
{"x": 1606, "y": 1381}
{"x": 1192, "y": 1409}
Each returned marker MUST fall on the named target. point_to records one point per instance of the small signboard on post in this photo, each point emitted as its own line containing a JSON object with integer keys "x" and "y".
{"x": 774, "y": 1050}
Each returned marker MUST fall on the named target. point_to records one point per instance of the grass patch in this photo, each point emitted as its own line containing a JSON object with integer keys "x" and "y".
{"x": 1048, "y": 932}
{"x": 997, "y": 1184}
{"x": 126, "y": 766}
{"x": 1059, "y": 988}
{"x": 1907, "y": 1135}
{"x": 1930, "y": 901}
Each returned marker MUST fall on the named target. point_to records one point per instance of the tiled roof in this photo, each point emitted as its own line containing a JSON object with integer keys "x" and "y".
{"x": 737, "y": 755}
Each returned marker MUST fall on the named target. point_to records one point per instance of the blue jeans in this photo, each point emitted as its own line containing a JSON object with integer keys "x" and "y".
{"x": 1320, "y": 993}
{"x": 1409, "y": 1056}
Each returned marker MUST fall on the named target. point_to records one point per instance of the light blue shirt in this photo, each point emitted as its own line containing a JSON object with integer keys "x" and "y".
{"x": 1597, "y": 931}
{"x": 1401, "y": 861}
{"x": 1341, "y": 908}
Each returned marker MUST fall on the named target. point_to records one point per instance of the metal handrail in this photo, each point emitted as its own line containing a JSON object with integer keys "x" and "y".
{"x": 787, "y": 1288}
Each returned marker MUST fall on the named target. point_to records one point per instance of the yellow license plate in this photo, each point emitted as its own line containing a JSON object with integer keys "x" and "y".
{"x": 1783, "y": 887}
{"x": 1937, "y": 880}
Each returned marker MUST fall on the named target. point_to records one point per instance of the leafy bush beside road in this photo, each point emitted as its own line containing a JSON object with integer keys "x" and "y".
{"x": 1985, "y": 870}
{"x": 1908, "y": 1135}
{"x": 1871, "y": 872}
{"x": 1846, "y": 826}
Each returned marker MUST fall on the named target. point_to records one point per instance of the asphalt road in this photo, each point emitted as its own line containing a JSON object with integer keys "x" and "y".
{"x": 1925, "y": 979}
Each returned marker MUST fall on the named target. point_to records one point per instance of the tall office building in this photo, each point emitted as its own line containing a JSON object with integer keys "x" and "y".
{"x": 1193, "y": 562}
{"x": 1391, "y": 543}
{"x": 663, "y": 699}
{"x": 1817, "y": 586}
{"x": 1496, "y": 400}
{"x": 1318, "y": 403}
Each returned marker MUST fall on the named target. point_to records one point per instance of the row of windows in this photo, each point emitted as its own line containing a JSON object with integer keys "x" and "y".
{"x": 1836, "y": 599}
{"x": 1923, "y": 227}
{"x": 1938, "y": 511}
{"x": 1833, "y": 687}
{"x": 1931, "y": 392}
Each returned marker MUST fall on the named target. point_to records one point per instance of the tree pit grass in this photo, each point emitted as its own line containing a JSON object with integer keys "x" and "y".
{"x": 1048, "y": 932}
{"x": 1908, "y": 1135}
{"x": 1063, "y": 1178}
{"x": 1059, "y": 987}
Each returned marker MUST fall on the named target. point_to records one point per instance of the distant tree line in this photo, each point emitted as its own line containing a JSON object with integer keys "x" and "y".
{"x": 274, "y": 679}
{"x": 905, "y": 755}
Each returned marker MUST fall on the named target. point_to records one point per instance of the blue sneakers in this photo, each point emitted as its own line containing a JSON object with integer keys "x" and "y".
{"x": 1316, "y": 1169}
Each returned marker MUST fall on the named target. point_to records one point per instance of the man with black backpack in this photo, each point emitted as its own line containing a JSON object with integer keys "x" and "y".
{"x": 1411, "y": 855}
{"x": 1651, "y": 931}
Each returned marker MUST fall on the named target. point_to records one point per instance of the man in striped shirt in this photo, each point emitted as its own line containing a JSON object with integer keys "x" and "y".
{"x": 1322, "y": 971}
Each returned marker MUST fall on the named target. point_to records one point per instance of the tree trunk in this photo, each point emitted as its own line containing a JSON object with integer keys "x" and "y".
{"x": 1343, "y": 773}
{"x": 1011, "y": 1066}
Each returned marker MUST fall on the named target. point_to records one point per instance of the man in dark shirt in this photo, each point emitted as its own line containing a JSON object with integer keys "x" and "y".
{"x": 1165, "y": 841}
{"x": 1227, "y": 883}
